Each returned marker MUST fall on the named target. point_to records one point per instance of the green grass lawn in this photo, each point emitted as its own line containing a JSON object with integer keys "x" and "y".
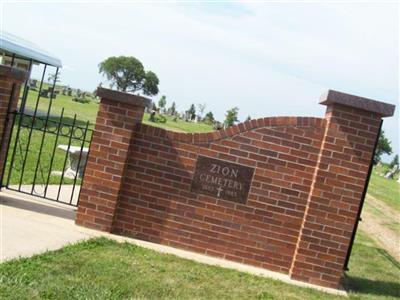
{"x": 84, "y": 111}
{"x": 387, "y": 190}
{"x": 179, "y": 125}
{"x": 103, "y": 269}
{"x": 88, "y": 112}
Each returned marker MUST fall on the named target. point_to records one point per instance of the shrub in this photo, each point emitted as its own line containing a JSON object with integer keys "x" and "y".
{"x": 161, "y": 119}
{"x": 81, "y": 100}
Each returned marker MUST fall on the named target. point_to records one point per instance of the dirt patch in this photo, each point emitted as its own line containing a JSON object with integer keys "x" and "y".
{"x": 375, "y": 219}
{"x": 384, "y": 208}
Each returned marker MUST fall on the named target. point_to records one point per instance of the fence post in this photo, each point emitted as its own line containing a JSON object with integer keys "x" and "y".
{"x": 118, "y": 115}
{"x": 10, "y": 84}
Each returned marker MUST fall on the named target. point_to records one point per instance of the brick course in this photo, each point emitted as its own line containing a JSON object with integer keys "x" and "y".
{"x": 302, "y": 205}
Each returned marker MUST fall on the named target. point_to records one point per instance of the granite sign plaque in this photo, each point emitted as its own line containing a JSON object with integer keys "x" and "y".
{"x": 222, "y": 179}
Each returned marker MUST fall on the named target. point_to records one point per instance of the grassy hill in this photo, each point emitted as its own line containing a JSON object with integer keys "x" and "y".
{"x": 88, "y": 111}
{"x": 179, "y": 125}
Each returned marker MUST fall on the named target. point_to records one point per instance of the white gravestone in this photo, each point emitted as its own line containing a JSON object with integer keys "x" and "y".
{"x": 74, "y": 152}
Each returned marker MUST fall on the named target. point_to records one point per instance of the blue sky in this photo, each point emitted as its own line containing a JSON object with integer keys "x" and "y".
{"x": 266, "y": 58}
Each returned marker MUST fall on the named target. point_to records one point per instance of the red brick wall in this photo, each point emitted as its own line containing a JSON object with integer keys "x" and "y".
{"x": 304, "y": 197}
{"x": 8, "y": 78}
{"x": 156, "y": 203}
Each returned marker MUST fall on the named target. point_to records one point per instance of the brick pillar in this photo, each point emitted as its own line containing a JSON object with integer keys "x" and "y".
{"x": 118, "y": 115}
{"x": 339, "y": 180}
{"x": 10, "y": 84}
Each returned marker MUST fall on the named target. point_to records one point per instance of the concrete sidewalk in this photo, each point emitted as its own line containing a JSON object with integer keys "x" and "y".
{"x": 53, "y": 191}
{"x": 30, "y": 226}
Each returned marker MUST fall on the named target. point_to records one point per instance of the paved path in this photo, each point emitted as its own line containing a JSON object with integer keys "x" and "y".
{"x": 63, "y": 192}
{"x": 29, "y": 226}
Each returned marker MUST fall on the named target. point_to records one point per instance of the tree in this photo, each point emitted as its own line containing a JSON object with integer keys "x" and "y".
{"x": 192, "y": 112}
{"x": 150, "y": 85}
{"x": 395, "y": 162}
{"x": 201, "y": 108}
{"x": 52, "y": 77}
{"x": 209, "y": 118}
{"x": 383, "y": 147}
{"x": 172, "y": 109}
{"x": 248, "y": 118}
{"x": 128, "y": 74}
{"x": 231, "y": 117}
{"x": 162, "y": 102}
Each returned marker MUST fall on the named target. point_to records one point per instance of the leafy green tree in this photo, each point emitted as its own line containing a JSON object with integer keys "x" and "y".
{"x": 248, "y": 118}
{"x": 209, "y": 118}
{"x": 150, "y": 85}
{"x": 162, "y": 102}
{"x": 192, "y": 112}
{"x": 395, "y": 162}
{"x": 231, "y": 117}
{"x": 128, "y": 75}
{"x": 383, "y": 147}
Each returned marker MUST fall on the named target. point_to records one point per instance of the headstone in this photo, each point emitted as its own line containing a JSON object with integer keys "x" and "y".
{"x": 187, "y": 116}
{"x": 44, "y": 93}
{"x": 33, "y": 84}
{"x": 51, "y": 95}
{"x": 153, "y": 115}
{"x": 74, "y": 155}
{"x": 390, "y": 174}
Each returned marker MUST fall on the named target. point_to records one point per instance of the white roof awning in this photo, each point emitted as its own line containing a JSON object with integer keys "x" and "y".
{"x": 27, "y": 50}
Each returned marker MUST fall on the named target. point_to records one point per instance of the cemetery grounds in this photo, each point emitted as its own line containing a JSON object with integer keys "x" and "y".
{"x": 104, "y": 269}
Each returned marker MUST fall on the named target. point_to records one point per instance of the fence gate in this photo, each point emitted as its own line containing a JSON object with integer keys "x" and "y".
{"x": 46, "y": 156}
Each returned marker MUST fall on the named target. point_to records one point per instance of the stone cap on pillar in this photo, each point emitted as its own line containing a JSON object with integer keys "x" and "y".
{"x": 123, "y": 97}
{"x": 335, "y": 97}
{"x": 14, "y": 73}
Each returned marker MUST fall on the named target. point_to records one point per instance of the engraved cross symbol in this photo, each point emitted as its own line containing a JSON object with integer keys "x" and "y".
{"x": 219, "y": 189}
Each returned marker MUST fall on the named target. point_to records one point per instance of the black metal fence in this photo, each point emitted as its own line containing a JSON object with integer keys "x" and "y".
{"x": 46, "y": 156}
